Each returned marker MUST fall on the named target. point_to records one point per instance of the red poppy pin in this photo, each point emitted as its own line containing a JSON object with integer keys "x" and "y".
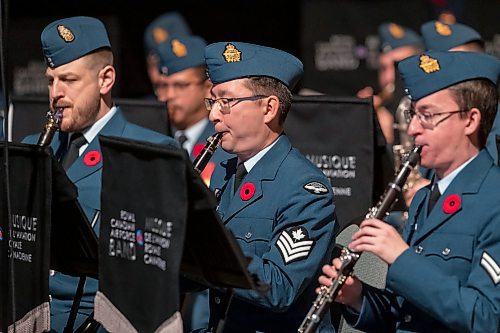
{"x": 92, "y": 158}
{"x": 451, "y": 204}
{"x": 247, "y": 191}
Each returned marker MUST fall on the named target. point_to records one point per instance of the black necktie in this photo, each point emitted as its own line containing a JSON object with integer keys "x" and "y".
{"x": 240, "y": 174}
{"x": 435, "y": 194}
{"x": 182, "y": 138}
{"x": 76, "y": 141}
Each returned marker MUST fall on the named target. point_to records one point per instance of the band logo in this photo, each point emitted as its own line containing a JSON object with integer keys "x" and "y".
{"x": 22, "y": 237}
{"x": 129, "y": 241}
{"x": 336, "y": 167}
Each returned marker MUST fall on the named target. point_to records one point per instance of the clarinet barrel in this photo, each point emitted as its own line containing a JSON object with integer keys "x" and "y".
{"x": 53, "y": 123}
{"x": 207, "y": 152}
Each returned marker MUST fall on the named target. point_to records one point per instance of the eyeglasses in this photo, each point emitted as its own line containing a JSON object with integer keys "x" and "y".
{"x": 224, "y": 103}
{"x": 426, "y": 119}
{"x": 176, "y": 86}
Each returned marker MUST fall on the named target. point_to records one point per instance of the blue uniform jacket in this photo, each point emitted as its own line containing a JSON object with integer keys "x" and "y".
{"x": 286, "y": 226}
{"x": 447, "y": 281}
{"x": 88, "y": 182}
{"x": 491, "y": 143}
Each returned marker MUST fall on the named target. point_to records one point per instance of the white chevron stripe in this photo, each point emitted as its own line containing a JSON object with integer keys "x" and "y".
{"x": 292, "y": 243}
{"x": 295, "y": 256}
{"x": 492, "y": 262}
{"x": 289, "y": 250}
{"x": 490, "y": 265}
{"x": 289, "y": 258}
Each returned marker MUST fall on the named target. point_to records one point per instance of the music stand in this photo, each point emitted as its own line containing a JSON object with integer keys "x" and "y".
{"x": 44, "y": 192}
{"x": 74, "y": 247}
{"x": 211, "y": 255}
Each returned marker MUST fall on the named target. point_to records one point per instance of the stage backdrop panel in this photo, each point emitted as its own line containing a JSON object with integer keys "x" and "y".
{"x": 342, "y": 138}
{"x": 340, "y": 45}
{"x": 25, "y": 241}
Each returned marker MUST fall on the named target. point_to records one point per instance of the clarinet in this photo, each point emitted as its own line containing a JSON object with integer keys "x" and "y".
{"x": 54, "y": 119}
{"x": 207, "y": 152}
{"x": 349, "y": 258}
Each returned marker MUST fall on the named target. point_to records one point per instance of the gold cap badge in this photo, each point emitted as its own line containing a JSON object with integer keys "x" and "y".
{"x": 160, "y": 35}
{"x": 428, "y": 64}
{"x": 65, "y": 34}
{"x": 442, "y": 29}
{"x": 231, "y": 53}
{"x": 396, "y": 30}
{"x": 178, "y": 48}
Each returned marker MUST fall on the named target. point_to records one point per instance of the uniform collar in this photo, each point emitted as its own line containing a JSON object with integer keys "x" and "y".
{"x": 446, "y": 181}
{"x": 93, "y": 130}
{"x": 250, "y": 163}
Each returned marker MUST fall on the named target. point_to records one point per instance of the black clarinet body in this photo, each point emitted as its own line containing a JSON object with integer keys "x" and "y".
{"x": 207, "y": 152}
{"x": 349, "y": 258}
{"x": 54, "y": 119}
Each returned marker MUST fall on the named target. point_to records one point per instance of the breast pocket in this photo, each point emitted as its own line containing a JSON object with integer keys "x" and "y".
{"x": 252, "y": 234}
{"x": 451, "y": 252}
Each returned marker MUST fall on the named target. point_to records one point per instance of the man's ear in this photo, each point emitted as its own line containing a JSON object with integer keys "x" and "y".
{"x": 272, "y": 107}
{"x": 473, "y": 121}
{"x": 207, "y": 84}
{"x": 107, "y": 77}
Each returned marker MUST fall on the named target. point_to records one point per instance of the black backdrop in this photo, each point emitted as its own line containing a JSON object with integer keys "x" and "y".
{"x": 340, "y": 43}
{"x": 274, "y": 23}
{"x": 297, "y": 26}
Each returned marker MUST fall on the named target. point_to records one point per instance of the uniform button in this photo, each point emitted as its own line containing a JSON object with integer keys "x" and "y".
{"x": 248, "y": 235}
{"x": 407, "y": 318}
{"x": 446, "y": 251}
{"x": 52, "y": 272}
{"x": 217, "y": 300}
{"x": 419, "y": 249}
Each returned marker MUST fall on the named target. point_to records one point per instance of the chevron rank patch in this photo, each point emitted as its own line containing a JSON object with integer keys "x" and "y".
{"x": 294, "y": 244}
{"x": 491, "y": 267}
{"x": 316, "y": 188}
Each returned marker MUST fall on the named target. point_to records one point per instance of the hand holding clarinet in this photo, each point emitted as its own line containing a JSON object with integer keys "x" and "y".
{"x": 374, "y": 235}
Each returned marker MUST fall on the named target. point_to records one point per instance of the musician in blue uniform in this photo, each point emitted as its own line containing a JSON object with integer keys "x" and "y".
{"x": 181, "y": 66}
{"x": 183, "y": 70}
{"x": 80, "y": 76}
{"x": 439, "y": 36}
{"x": 158, "y": 32}
{"x": 444, "y": 271}
{"x": 276, "y": 203}
{"x": 397, "y": 42}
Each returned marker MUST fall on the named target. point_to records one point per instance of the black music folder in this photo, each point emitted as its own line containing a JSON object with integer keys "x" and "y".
{"x": 158, "y": 222}
{"x": 46, "y": 229}
{"x": 74, "y": 243}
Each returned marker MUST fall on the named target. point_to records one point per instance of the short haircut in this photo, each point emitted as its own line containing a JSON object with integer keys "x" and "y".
{"x": 263, "y": 85}
{"x": 480, "y": 94}
{"x": 101, "y": 58}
